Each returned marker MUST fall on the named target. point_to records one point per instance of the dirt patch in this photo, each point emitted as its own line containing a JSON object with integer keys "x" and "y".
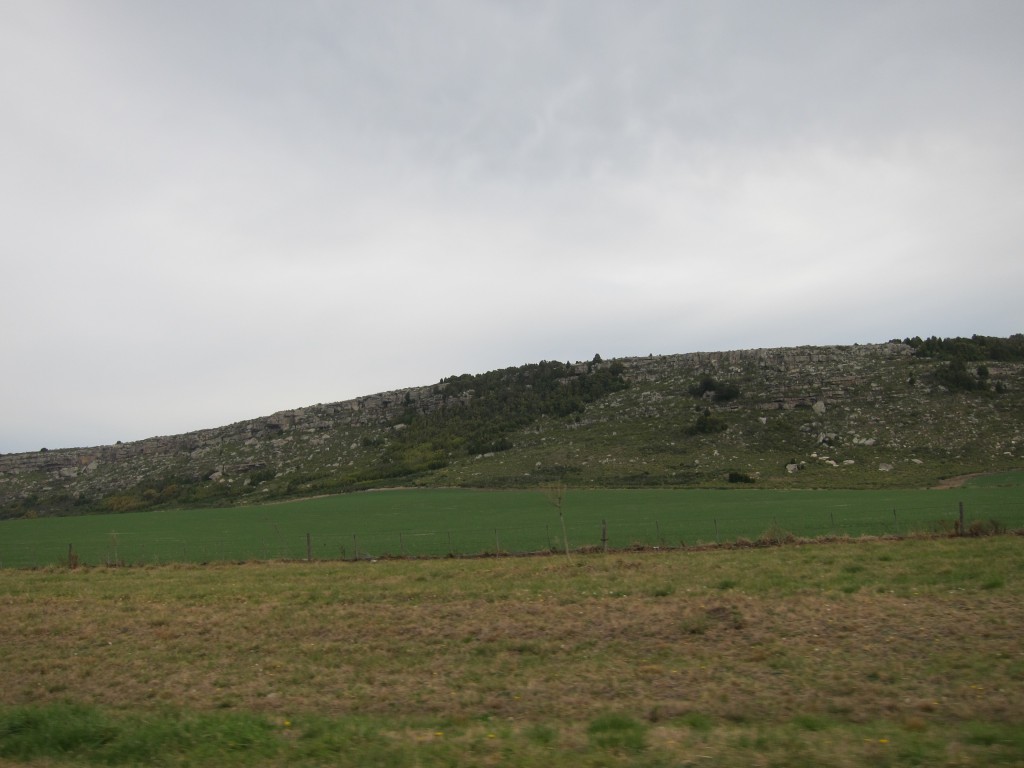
{"x": 960, "y": 480}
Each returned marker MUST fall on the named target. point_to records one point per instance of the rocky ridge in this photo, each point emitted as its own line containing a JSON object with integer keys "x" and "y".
{"x": 855, "y": 416}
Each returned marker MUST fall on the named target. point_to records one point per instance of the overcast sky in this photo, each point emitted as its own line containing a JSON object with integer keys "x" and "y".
{"x": 211, "y": 210}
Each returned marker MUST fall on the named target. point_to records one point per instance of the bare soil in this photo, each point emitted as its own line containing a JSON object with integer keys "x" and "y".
{"x": 959, "y": 480}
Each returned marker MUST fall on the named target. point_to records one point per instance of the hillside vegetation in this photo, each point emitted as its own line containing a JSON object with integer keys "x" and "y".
{"x": 901, "y": 414}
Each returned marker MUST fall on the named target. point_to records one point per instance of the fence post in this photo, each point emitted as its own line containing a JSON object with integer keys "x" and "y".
{"x": 895, "y": 522}
{"x": 497, "y": 542}
{"x": 716, "y": 531}
{"x": 604, "y": 536}
{"x": 961, "y": 526}
{"x": 451, "y": 553}
{"x": 355, "y": 548}
{"x": 401, "y": 544}
{"x": 309, "y": 549}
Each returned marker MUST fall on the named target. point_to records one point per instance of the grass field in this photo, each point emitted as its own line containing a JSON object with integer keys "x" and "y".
{"x": 853, "y": 653}
{"x": 441, "y": 522}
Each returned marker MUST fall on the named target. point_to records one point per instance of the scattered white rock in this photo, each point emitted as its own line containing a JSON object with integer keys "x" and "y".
{"x": 885, "y": 467}
{"x": 819, "y": 407}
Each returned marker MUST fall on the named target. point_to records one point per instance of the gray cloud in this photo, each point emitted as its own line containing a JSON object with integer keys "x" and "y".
{"x": 215, "y": 210}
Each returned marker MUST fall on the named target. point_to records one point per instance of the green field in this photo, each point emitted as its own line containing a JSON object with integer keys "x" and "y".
{"x": 435, "y": 523}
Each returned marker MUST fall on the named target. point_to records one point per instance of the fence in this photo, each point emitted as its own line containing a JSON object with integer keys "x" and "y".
{"x": 584, "y": 531}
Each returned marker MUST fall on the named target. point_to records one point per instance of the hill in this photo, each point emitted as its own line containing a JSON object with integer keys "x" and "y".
{"x": 900, "y": 414}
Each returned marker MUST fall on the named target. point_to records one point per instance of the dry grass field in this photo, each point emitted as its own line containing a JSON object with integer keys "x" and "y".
{"x": 862, "y": 652}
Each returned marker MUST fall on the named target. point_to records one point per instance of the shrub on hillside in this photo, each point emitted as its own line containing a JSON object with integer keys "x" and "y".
{"x": 722, "y": 391}
{"x": 709, "y": 423}
{"x": 955, "y": 377}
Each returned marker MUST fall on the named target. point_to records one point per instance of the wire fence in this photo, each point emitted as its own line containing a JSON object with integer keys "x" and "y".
{"x": 584, "y": 533}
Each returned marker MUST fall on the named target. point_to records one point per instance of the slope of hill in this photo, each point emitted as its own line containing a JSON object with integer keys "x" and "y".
{"x": 899, "y": 414}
